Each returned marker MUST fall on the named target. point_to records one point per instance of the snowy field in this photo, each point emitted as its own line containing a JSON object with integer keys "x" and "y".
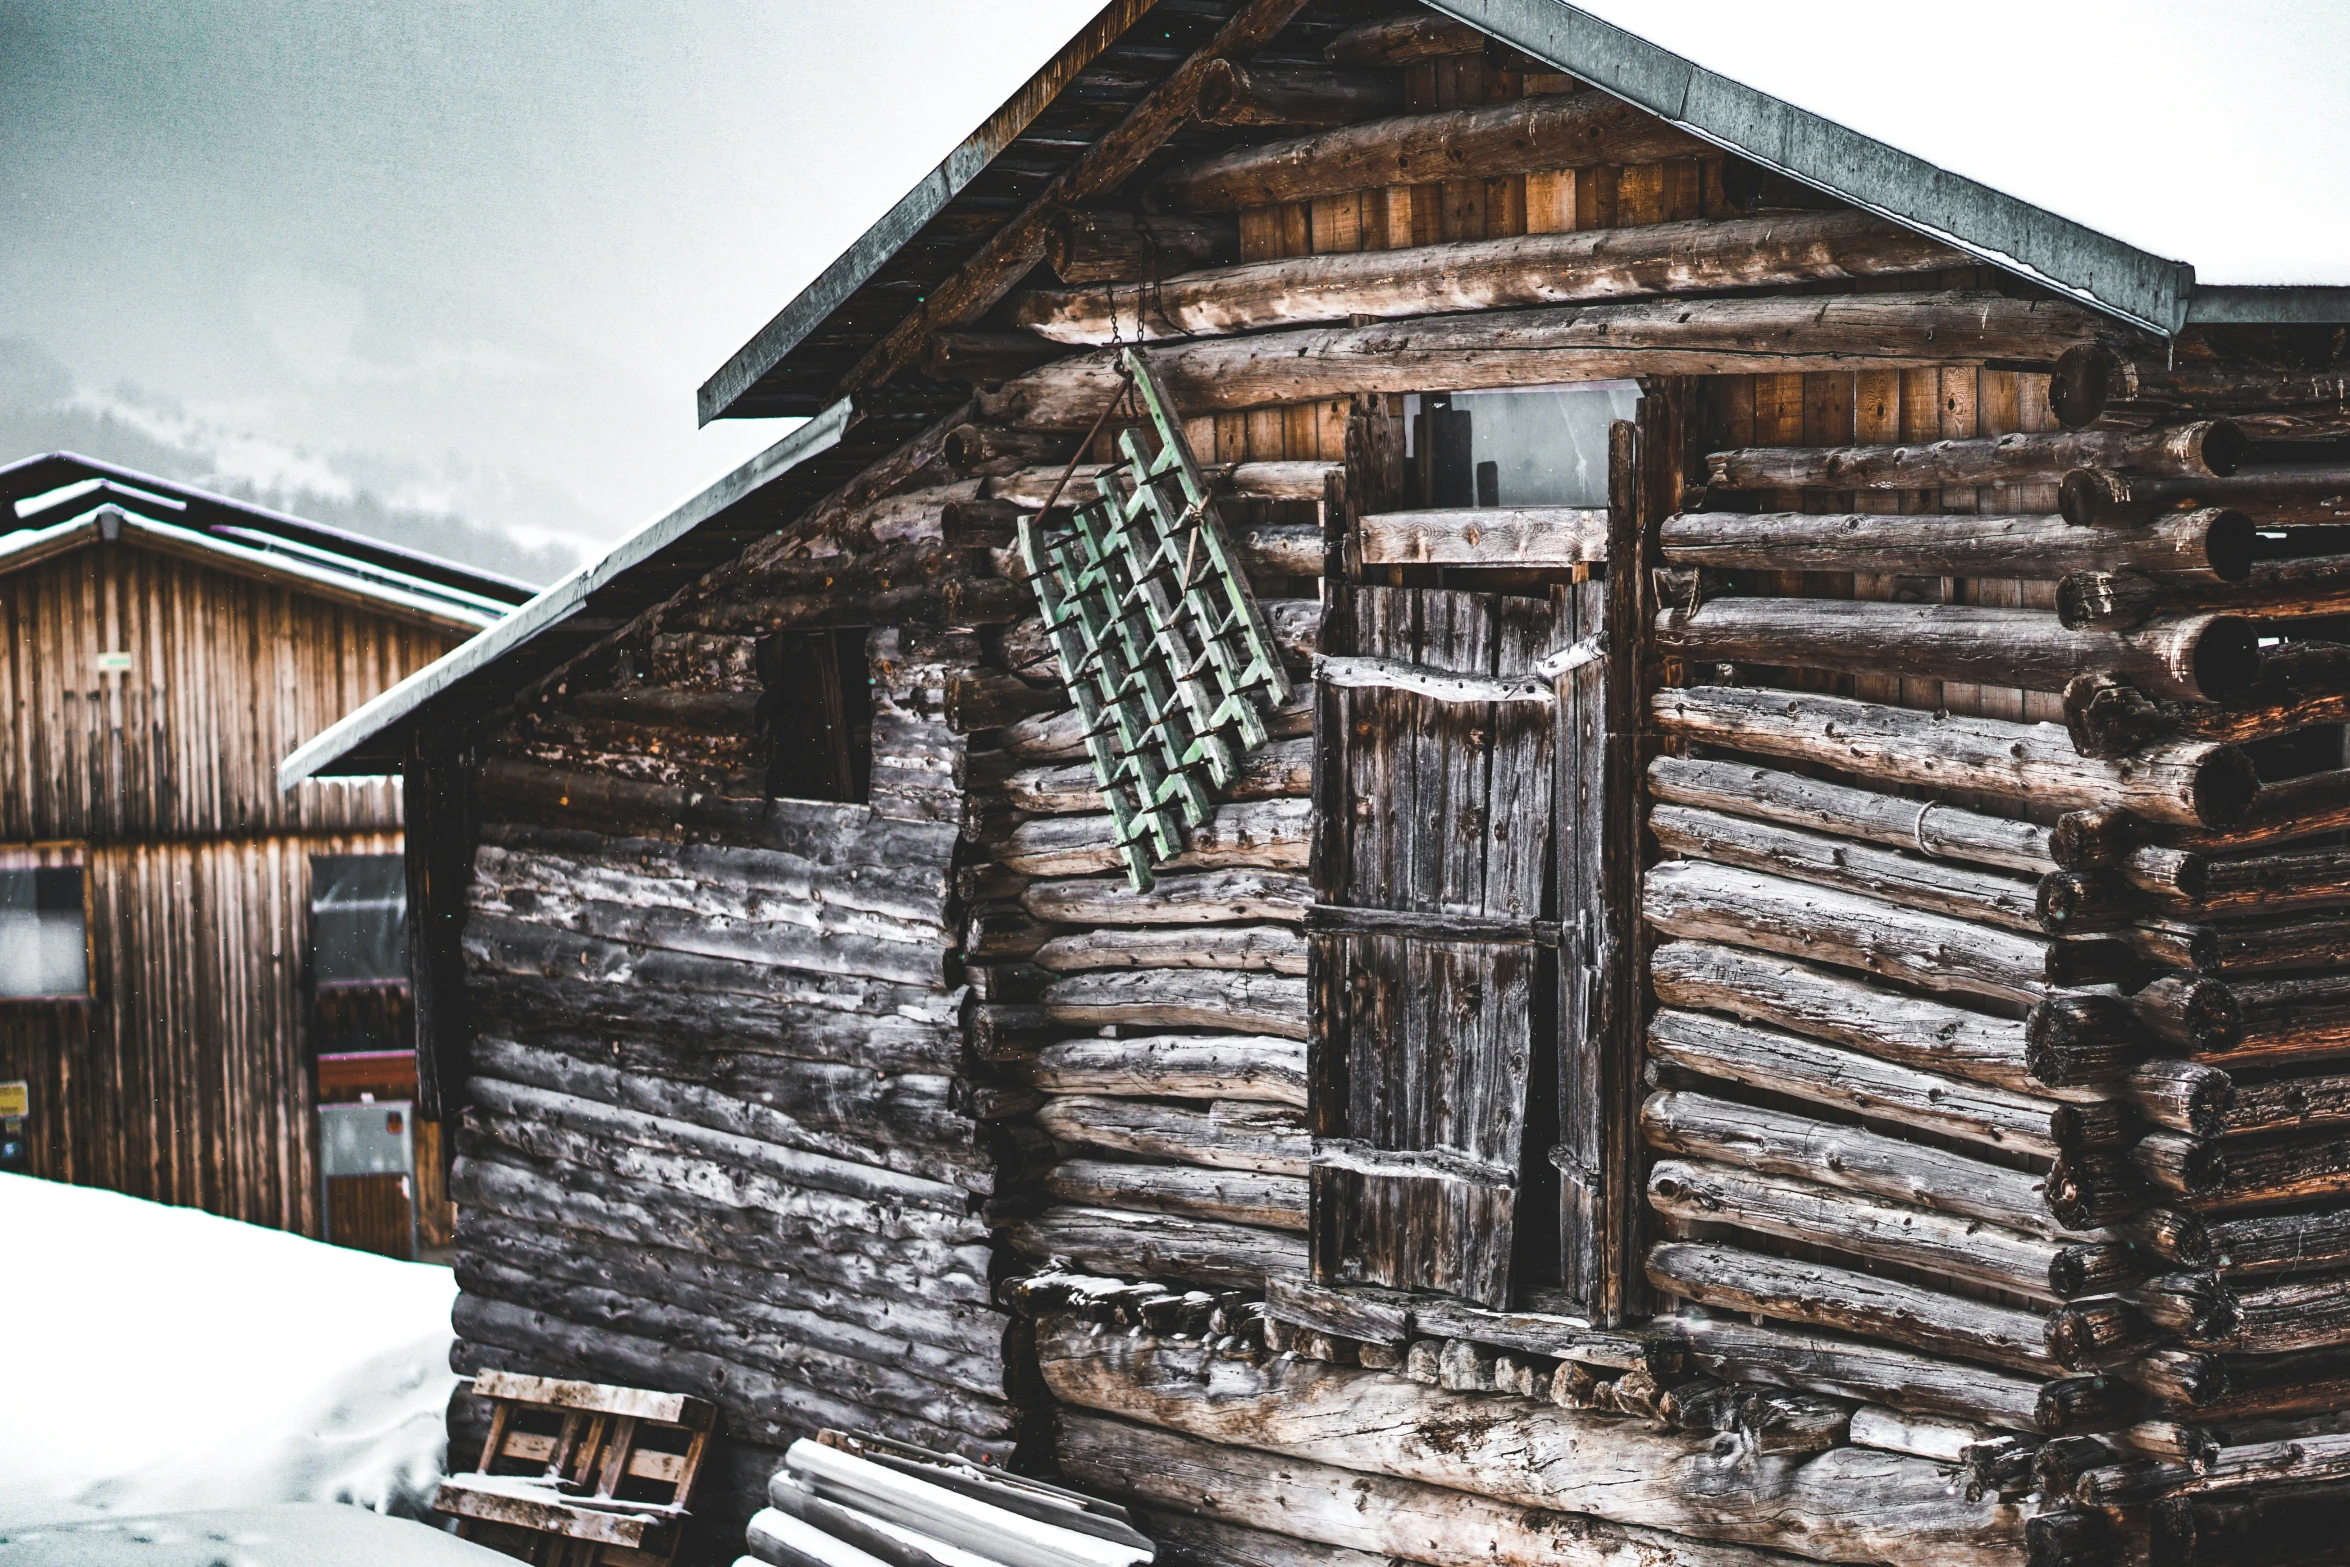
{"x": 160, "y": 1359}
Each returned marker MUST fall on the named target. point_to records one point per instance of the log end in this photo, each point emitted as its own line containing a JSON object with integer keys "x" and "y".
{"x": 2226, "y": 658}
{"x": 2222, "y": 447}
{"x": 2224, "y": 786}
{"x": 2212, "y": 1015}
{"x": 2087, "y": 377}
{"x": 2228, "y": 544}
{"x": 2092, "y": 497}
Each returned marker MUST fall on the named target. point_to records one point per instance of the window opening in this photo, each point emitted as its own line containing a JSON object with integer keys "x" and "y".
{"x": 819, "y": 715}
{"x": 1525, "y": 446}
{"x": 44, "y": 941}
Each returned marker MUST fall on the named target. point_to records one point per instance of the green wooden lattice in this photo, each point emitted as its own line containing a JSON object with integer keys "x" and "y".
{"x": 1159, "y": 639}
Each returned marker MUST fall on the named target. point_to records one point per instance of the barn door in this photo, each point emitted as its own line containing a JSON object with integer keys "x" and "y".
{"x": 1433, "y": 942}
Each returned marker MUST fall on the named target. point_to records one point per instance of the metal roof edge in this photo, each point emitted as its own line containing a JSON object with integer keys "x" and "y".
{"x": 854, "y": 267}
{"x": 2308, "y": 304}
{"x": 2002, "y": 230}
{"x": 561, "y": 601}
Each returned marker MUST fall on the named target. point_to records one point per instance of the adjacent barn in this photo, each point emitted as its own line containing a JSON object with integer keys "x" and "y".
{"x": 203, "y": 991}
{"x": 1469, "y": 798}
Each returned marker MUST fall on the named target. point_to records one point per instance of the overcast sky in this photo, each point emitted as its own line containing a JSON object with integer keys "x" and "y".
{"x": 449, "y": 258}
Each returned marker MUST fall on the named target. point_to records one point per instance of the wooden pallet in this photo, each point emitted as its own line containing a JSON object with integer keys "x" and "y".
{"x": 579, "y": 1474}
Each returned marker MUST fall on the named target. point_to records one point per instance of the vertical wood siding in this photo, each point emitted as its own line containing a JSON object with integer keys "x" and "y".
{"x": 182, "y": 1079}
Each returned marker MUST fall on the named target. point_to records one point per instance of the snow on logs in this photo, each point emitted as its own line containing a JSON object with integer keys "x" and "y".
{"x": 1764, "y": 334}
{"x": 1694, "y": 257}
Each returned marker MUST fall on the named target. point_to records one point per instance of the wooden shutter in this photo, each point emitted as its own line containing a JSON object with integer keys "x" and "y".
{"x": 1431, "y": 972}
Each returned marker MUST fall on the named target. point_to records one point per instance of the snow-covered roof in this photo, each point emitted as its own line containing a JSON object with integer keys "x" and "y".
{"x": 2168, "y": 160}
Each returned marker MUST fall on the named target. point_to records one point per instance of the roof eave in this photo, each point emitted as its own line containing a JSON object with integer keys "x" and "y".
{"x": 2097, "y": 269}
{"x": 324, "y": 752}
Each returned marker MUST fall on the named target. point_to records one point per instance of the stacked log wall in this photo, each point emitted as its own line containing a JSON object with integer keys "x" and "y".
{"x": 1946, "y": 1054}
{"x": 723, "y": 1134}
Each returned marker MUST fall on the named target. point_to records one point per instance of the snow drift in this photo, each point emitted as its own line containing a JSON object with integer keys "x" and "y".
{"x": 161, "y": 1358}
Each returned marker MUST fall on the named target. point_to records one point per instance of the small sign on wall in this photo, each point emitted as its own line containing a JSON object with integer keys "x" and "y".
{"x": 114, "y": 663}
{"x": 16, "y": 1102}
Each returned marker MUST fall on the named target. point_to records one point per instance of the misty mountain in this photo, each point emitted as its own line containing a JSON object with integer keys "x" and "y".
{"x": 43, "y": 410}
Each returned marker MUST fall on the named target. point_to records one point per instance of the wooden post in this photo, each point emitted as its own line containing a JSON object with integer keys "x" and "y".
{"x": 436, "y": 808}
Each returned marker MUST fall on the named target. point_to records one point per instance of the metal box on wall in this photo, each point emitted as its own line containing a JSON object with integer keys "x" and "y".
{"x": 367, "y": 1156}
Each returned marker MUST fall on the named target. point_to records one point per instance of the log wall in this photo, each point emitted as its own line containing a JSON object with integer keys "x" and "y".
{"x": 1981, "y": 1187}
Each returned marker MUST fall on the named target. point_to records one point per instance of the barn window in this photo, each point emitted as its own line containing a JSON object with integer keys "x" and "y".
{"x": 44, "y": 946}
{"x": 358, "y": 920}
{"x": 820, "y": 716}
{"x": 1527, "y": 446}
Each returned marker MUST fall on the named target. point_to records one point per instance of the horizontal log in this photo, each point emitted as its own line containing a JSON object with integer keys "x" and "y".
{"x": 1526, "y": 1454}
{"x": 933, "y": 1291}
{"x": 2299, "y": 1526}
{"x": 1301, "y": 97}
{"x": 912, "y": 1131}
{"x": 2317, "y": 939}
{"x": 2205, "y": 547}
{"x": 766, "y": 1175}
{"x": 1271, "y": 1202}
{"x": 1281, "y": 767}
{"x": 1181, "y": 998}
{"x": 1247, "y": 481}
{"x": 1395, "y": 1519}
{"x": 2306, "y": 588}
{"x": 1096, "y": 245}
{"x": 1768, "y": 334}
{"x": 2250, "y": 1317}
{"x": 1832, "y": 860}
{"x": 1061, "y": 736}
{"x": 739, "y": 882}
{"x": 759, "y": 1406}
{"x": 1226, "y": 1134}
{"x": 1209, "y": 897}
{"x": 2276, "y": 497}
{"x": 1266, "y": 834}
{"x": 2250, "y": 1245}
{"x": 1694, "y": 257}
{"x": 1701, "y": 901}
{"x": 1484, "y": 536}
{"x": 1888, "y": 1024}
{"x": 1159, "y": 1245}
{"x": 2206, "y": 447}
{"x": 2094, "y": 376}
{"x": 1832, "y": 1363}
{"x": 2200, "y": 657}
{"x": 1259, "y": 1067}
{"x": 1931, "y": 1102}
{"x": 2218, "y": 1177}
{"x": 870, "y": 1369}
{"x": 1953, "y": 1246}
{"x": 1403, "y": 39}
{"x": 1820, "y": 1296}
{"x": 812, "y": 829}
{"x": 720, "y": 1021}
{"x": 2220, "y": 1388}
{"x": 2185, "y": 784}
{"x": 1777, "y": 1143}
{"x": 2299, "y": 684}
{"x": 1929, "y": 827}
{"x": 498, "y": 945}
{"x": 1549, "y": 132}
{"x": 2094, "y": 1037}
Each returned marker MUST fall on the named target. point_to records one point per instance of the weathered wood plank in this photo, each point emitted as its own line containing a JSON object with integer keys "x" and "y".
{"x": 1159, "y": 1245}
{"x": 1258, "y": 1067}
{"x": 1229, "y": 1135}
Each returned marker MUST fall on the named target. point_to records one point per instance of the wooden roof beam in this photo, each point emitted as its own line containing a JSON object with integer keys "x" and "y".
{"x": 1020, "y": 244}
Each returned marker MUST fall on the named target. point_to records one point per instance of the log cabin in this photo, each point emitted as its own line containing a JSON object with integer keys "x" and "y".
{"x": 202, "y": 1000}
{"x": 1467, "y": 798}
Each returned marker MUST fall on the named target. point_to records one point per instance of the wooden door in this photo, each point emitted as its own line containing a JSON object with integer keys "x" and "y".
{"x": 1433, "y": 942}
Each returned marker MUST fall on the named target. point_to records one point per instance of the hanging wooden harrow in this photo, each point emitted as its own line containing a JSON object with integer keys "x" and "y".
{"x": 1157, "y": 633}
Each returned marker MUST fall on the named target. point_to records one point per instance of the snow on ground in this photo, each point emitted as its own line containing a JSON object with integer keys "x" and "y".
{"x": 288, "y": 1534}
{"x": 159, "y": 1358}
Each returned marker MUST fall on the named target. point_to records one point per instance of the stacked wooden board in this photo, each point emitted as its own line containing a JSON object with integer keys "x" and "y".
{"x": 855, "y": 1501}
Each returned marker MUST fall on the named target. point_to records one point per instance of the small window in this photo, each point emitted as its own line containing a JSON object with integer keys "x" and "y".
{"x": 44, "y": 945}
{"x": 1527, "y": 446}
{"x": 358, "y": 921}
{"x": 819, "y": 715}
